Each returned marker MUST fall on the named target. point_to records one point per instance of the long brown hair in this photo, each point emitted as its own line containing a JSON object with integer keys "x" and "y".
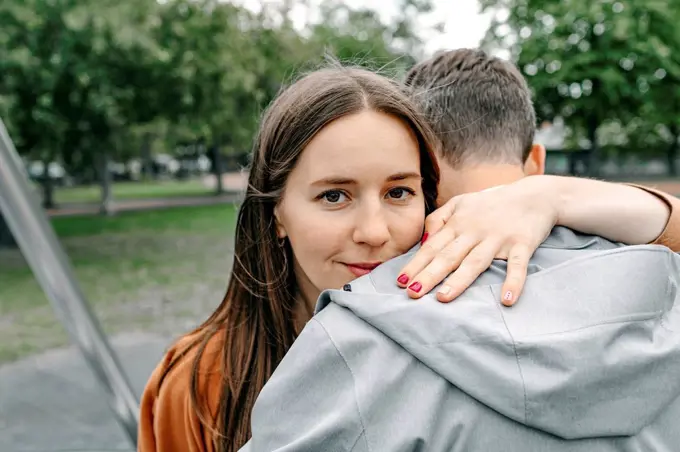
{"x": 257, "y": 314}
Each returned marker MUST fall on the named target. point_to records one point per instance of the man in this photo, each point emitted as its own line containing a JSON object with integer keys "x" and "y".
{"x": 587, "y": 361}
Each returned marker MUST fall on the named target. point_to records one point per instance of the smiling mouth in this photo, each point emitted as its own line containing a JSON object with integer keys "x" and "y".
{"x": 361, "y": 269}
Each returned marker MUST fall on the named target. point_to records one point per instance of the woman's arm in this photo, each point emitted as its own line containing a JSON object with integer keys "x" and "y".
{"x": 618, "y": 212}
{"x": 670, "y": 236}
{"x": 168, "y": 421}
{"x": 510, "y": 222}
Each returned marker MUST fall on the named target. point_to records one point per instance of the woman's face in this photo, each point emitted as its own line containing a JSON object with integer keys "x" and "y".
{"x": 353, "y": 201}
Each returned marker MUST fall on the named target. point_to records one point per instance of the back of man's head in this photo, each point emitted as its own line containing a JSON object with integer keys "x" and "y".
{"x": 479, "y": 105}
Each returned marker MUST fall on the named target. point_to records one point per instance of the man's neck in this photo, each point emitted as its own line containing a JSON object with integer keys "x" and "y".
{"x": 476, "y": 178}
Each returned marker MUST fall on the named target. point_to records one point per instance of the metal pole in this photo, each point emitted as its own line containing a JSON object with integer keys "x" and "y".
{"x": 51, "y": 266}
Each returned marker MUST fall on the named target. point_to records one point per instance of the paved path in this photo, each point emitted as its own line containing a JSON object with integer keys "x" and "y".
{"x": 51, "y": 402}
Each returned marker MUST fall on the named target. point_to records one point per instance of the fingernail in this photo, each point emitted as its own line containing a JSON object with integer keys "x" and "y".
{"x": 424, "y": 238}
{"x": 507, "y": 296}
{"x": 402, "y": 279}
{"x": 416, "y": 286}
{"x": 444, "y": 290}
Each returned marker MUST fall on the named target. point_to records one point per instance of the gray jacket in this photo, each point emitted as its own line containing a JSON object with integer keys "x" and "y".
{"x": 587, "y": 361}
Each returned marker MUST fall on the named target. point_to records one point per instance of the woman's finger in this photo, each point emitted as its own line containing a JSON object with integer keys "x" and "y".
{"x": 518, "y": 263}
{"x": 424, "y": 256}
{"x": 437, "y": 219}
{"x": 442, "y": 264}
{"x": 474, "y": 264}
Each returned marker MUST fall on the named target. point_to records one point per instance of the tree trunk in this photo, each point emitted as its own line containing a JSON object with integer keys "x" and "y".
{"x": 217, "y": 168}
{"x": 147, "y": 169}
{"x": 48, "y": 187}
{"x": 105, "y": 207}
{"x": 6, "y": 236}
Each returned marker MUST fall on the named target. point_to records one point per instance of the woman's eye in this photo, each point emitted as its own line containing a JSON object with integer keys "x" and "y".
{"x": 400, "y": 193}
{"x": 333, "y": 196}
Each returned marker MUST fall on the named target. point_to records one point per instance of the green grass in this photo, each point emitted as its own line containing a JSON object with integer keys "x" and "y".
{"x": 147, "y": 270}
{"x": 211, "y": 218}
{"x": 133, "y": 190}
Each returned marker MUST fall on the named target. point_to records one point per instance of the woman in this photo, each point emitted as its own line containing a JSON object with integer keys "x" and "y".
{"x": 343, "y": 175}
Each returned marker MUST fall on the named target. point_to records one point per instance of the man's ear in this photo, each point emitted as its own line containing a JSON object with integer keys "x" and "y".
{"x": 280, "y": 230}
{"x": 535, "y": 163}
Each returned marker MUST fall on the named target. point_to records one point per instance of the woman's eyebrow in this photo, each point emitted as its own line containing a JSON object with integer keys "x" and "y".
{"x": 404, "y": 175}
{"x": 334, "y": 180}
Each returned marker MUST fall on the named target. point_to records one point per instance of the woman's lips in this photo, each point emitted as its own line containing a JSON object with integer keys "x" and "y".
{"x": 362, "y": 268}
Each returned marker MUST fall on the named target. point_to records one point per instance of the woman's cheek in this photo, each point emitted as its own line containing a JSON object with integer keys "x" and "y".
{"x": 316, "y": 237}
{"x": 408, "y": 227}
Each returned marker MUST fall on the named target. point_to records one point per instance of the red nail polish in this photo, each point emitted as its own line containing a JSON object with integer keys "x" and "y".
{"x": 402, "y": 279}
{"x": 424, "y": 238}
{"x": 416, "y": 286}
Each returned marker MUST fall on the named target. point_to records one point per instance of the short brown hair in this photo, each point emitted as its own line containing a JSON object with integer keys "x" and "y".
{"x": 479, "y": 106}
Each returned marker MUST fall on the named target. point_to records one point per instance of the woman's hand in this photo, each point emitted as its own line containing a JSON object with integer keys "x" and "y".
{"x": 468, "y": 232}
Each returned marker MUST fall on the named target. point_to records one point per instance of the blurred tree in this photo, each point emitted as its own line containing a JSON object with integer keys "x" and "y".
{"x": 595, "y": 62}
{"x": 219, "y": 51}
{"x": 353, "y": 36}
{"x": 78, "y": 71}
{"x": 405, "y": 33}
{"x": 360, "y": 36}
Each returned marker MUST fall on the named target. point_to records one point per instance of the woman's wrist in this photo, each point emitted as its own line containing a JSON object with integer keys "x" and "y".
{"x": 562, "y": 192}
{"x": 550, "y": 194}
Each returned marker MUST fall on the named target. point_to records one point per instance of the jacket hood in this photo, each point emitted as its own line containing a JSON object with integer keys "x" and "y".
{"x": 591, "y": 349}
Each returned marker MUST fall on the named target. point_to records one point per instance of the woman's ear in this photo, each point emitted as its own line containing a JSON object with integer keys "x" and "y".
{"x": 280, "y": 229}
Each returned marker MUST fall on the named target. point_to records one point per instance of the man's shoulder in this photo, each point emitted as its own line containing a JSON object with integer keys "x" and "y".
{"x": 564, "y": 238}
{"x": 357, "y": 340}
{"x": 340, "y": 324}
{"x": 383, "y": 279}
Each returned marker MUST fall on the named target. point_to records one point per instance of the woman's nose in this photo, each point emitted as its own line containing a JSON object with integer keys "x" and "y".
{"x": 371, "y": 227}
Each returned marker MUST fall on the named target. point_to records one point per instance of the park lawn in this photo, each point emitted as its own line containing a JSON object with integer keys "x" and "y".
{"x": 156, "y": 271}
{"x": 133, "y": 190}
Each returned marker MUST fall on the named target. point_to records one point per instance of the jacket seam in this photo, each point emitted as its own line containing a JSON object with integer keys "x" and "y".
{"x": 370, "y": 278}
{"x": 669, "y": 290}
{"x": 519, "y": 366}
{"x": 356, "y": 441}
{"x": 604, "y": 254}
{"x": 354, "y": 386}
